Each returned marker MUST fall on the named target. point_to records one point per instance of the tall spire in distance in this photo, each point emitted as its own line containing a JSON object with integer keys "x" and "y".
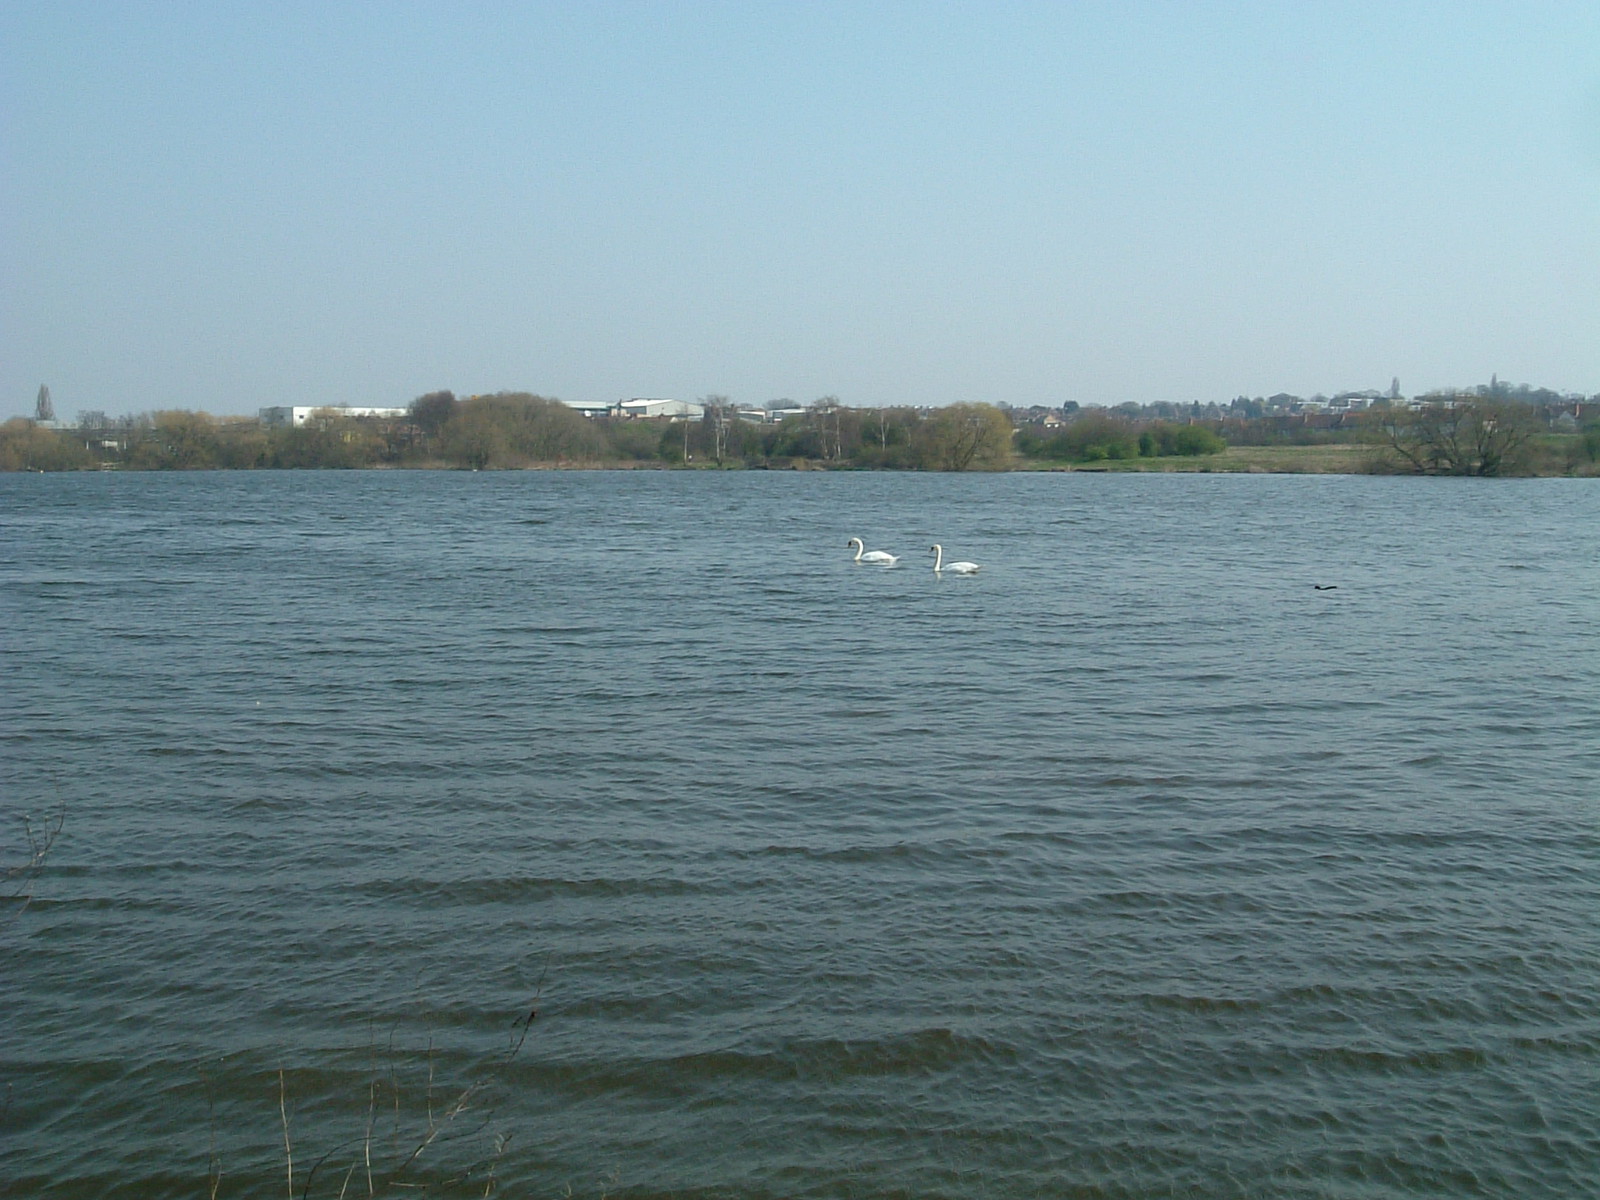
{"x": 44, "y": 410}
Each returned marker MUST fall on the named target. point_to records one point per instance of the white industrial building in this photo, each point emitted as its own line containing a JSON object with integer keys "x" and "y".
{"x": 299, "y": 414}
{"x": 643, "y": 407}
{"x": 639, "y": 407}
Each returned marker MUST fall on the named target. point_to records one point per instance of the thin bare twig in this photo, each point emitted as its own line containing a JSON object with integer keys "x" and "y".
{"x": 430, "y": 1080}
{"x": 433, "y": 1131}
{"x": 305, "y": 1189}
{"x": 283, "y": 1113}
{"x": 526, "y": 1023}
{"x": 501, "y": 1141}
{"x": 372, "y": 1119}
{"x": 213, "y": 1163}
{"x": 18, "y": 878}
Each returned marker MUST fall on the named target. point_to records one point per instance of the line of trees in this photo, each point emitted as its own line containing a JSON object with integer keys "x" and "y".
{"x": 1479, "y": 432}
{"x": 512, "y": 430}
{"x": 517, "y": 430}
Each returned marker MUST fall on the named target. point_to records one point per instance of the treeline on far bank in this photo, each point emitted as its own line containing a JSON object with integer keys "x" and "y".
{"x": 512, "y": 430}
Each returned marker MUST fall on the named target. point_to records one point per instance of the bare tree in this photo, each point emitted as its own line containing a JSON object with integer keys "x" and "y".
{"x": 718, "y": 414}
{"x": 963, "y": 435}
{"x": 1457, "y": 435}
{"x": 825, "y": 412}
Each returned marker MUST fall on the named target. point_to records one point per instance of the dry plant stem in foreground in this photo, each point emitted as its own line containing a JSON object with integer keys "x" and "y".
{"x": 437, "y": 1122}
{"x": 18, "y": 878}
{"x": 288, "y": 1151}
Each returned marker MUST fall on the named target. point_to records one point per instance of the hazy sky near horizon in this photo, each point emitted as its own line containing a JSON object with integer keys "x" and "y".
{"x": 221, "y": 206}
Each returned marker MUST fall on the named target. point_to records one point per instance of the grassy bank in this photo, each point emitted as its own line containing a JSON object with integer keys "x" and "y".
{"x": 1293, "y": 460}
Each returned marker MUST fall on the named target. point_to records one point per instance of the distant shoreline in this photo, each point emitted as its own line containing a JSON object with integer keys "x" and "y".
{"x": 1339, "y": 458}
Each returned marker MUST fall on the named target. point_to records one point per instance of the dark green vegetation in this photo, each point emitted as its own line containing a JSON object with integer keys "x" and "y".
{"x": 1095, "y": 438}
{"x": 1489, "y": 430}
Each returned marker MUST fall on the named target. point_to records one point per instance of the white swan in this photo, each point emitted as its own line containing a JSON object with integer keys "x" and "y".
{"x": 873, "y": 556}
{"x": 960, "y": 568}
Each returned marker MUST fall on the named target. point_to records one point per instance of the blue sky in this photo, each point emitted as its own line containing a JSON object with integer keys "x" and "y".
{"x": 222, "y": 206}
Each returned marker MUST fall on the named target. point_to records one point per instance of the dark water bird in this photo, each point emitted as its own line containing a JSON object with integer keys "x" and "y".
{"x": 1325, "y": 587}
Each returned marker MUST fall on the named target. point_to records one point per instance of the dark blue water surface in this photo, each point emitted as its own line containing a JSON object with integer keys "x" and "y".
{"x": 1133, "y": 866}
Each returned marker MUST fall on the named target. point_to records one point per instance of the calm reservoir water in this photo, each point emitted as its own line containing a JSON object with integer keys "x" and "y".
{"x": 1133, "y": 866}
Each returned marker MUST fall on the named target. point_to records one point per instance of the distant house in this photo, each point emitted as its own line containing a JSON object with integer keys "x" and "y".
{"x": 298, "y": 414}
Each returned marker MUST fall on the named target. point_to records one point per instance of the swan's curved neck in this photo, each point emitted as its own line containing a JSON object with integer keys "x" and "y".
{"x": 938, "y": 558}
{"x": 860, "y": 547}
